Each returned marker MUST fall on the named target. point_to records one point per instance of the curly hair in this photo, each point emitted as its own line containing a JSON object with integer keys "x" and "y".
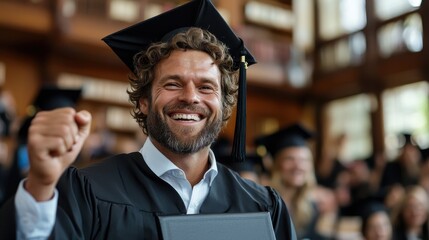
{"x": 145, "y": 63}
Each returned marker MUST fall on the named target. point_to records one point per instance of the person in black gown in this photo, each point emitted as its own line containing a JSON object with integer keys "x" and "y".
{"x": 293, "y": 176}
{"x": 183, "y": 93}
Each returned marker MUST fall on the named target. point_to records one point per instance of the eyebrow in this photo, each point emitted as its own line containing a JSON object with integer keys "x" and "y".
{"x": 179, "y": 78}
{"x": 172, "y": 76}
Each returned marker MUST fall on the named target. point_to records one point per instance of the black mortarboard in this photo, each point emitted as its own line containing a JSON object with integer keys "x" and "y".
{"x": 49, "y": 97}
{"x": 128, "y": 42}
{"x": 406, "y": 138}
{"x": 292, "y": 136}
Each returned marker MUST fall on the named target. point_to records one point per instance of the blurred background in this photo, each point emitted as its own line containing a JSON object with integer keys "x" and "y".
{"x": 354, "y": 71}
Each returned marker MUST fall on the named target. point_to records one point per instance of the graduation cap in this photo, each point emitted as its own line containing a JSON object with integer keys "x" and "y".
{"x": 292, "y": 136}
{"x": 405, "y": 138}
{"x": 49, "y": 97}
{"x": 128, "y": 42}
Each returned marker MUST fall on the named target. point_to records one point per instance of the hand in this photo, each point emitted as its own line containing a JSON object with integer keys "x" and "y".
{"x": 55, "y": 138}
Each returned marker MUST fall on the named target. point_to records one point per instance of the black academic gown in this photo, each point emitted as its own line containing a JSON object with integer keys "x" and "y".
{"x": 121, "y": 198}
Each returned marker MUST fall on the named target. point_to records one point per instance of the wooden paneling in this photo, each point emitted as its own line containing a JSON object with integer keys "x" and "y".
{"x": 25, "y": 17}
{"x": 261, "y": 109}
{"x": 22, "y": 78}
{"x": 338, "y": 84}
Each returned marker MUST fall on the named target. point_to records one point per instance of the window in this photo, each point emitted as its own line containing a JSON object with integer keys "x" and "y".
{"x": 406, "y": 110}
{"x": 271, "y": 15}
{"x": 119, "y": 118}
{"x": 413, "y": 33}
{"x": 400, "y": 36}
{"x": 124, "y": 10}
{"x": 351, "y": 117}
{"x": 96, "y": 88}
{"x": 386, "y": 9}
{"x": 303, "y": 29}
{"x": 338, "y": 17}
{"x": 345, "y": 52}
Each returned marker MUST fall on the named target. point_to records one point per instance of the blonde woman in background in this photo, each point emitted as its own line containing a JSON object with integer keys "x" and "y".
{"x": 293, "y": 176}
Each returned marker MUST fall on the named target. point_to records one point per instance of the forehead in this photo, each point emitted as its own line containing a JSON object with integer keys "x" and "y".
{"x": 378, "y": 216}
{"x": 190, "y": 62}
{"x": 190, "y": 55}
{"x": 299, "y": 150}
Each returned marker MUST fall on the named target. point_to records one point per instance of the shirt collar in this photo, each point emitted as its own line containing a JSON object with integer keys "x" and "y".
{"x": 160, "y": 164}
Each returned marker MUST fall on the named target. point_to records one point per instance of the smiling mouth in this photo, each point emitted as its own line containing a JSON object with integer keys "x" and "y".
{"x": 186, "y": 117}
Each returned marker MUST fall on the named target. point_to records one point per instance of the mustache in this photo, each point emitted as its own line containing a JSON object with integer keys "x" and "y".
{"x": 188, "y": 107}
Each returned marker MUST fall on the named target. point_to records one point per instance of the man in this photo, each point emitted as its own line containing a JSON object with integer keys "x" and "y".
{"x": 183, "y": 94}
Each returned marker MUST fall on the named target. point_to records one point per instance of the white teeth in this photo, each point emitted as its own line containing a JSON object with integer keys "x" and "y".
{"x": 182, "y": 116}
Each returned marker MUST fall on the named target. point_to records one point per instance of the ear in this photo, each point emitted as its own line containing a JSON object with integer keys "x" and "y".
{"x": 144, "y": 105}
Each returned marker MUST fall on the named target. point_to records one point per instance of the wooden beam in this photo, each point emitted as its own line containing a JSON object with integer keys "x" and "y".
{"x": 30, "y": 18}
{"x": 424, "y": 12}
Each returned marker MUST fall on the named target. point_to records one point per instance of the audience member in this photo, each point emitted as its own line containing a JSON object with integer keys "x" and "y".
{"x": 401, "y": 172}
{"x": 358, "y": 188}
{"x": 251, "y": 169}
{"x": 410, "y": 219}
{"x": 376, "y": 224}
{"x": 331, "y": 165}
{"x": 293, "y": 176}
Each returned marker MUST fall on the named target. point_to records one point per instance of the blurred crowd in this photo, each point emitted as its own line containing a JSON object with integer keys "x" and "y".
{"x": 328, "y": 198}
{"x": 333, "y": 198}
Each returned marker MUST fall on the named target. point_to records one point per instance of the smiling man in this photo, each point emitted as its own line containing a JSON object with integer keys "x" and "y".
{"x": 185, "y": 112}
{"x": 185, "y": 65}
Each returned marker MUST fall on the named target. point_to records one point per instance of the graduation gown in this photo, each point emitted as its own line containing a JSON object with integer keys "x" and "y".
{"x": 121, "y": 198}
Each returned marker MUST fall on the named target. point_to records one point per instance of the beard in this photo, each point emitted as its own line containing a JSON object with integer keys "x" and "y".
{"x": 158, "y": 129}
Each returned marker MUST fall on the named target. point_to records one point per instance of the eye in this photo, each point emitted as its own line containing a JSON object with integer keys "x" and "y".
{"x": 172, "y": 85}
{"x": 207, "y": 88}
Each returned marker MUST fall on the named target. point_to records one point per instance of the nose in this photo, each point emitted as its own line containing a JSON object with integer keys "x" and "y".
{"x": 299, "y": 163}
{"x": 190, "y": 94}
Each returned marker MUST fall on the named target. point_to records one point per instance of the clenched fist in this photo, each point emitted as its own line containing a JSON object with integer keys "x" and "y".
{"x": 55, "y": 138}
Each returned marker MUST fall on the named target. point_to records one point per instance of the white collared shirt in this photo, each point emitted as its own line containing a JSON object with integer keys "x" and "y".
{"x": 193, "y": 197}
{"x": 35, "y": 220}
